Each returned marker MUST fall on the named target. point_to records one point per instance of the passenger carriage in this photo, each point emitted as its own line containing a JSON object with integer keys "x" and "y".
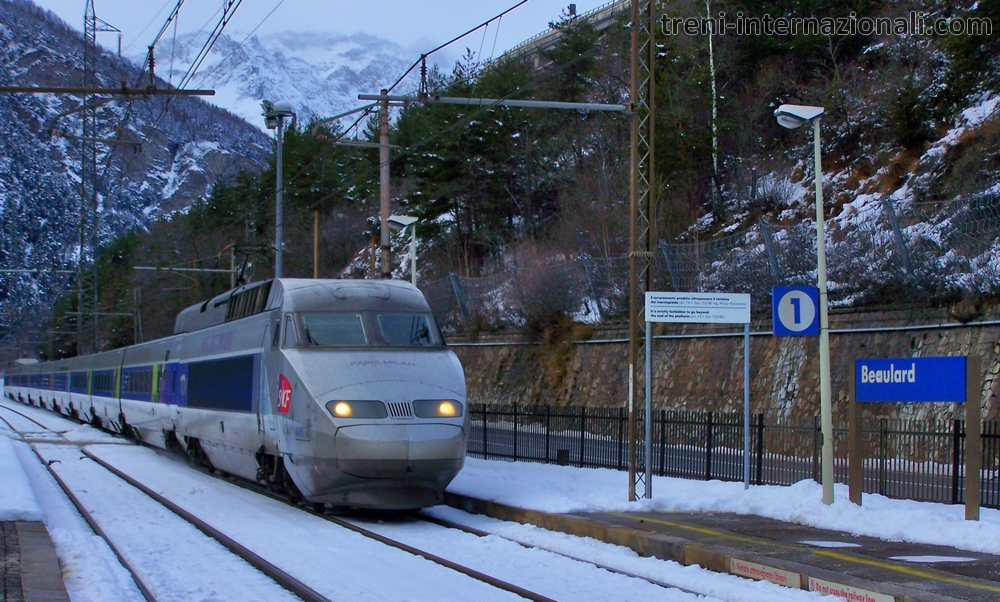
{"x": 340, "y": 391}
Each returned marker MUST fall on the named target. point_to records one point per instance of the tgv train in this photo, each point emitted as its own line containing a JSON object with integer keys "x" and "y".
{"x": 338, "y": 391}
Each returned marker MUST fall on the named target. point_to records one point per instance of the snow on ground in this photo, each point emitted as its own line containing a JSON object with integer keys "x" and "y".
{"x": 17, "y": 500}
{"x": 279, "y": 531}
{"x": 543, "y": 572}
{"x": 163, "y": 547}
{"x": 92, "y": 571}
{"x": 89, "y": 567}
{"x": 550, "y": 488}
{"x": 694, "y": 578}
{"x": 333, "y": 561}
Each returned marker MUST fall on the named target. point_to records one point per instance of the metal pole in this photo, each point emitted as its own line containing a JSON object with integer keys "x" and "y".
{"x": 383, "y": 169}
{"x": 825, "y": 402}
{"x": 633, "y": 247}
{"x": 647, "y": 469}
{"x": 316, "y": 244}
{"x": 413, "y": 253}
{"x": 232, "y": 266}
{"x": 746, "y": 406}
{"x": 278, "y": 208}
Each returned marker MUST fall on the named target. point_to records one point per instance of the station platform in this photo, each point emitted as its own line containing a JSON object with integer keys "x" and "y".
{"x": 30, "y": 571}
{"x": 859, "y": 569}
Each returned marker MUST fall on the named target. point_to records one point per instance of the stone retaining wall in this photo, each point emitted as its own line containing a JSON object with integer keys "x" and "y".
{"x": 706, "y": 373}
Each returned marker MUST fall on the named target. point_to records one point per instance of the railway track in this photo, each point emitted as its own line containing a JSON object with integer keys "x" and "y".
{"x": 139, "y": 570}
{"x": 364, "y": 525}
{"x": 278, "y": 575}
{"x": 450, "y": 524}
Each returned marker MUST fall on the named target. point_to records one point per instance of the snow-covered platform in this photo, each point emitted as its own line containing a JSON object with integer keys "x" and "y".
{"x": 31, "y": 570}
{"x": 887, "y": 551}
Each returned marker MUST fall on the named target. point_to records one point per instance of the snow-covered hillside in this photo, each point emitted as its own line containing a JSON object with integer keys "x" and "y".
{"x": 165, "y": 154}
{"x": 320, "y": 74}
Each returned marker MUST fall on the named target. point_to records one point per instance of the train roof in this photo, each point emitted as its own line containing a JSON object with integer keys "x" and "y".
{"x": 300, "y": 294}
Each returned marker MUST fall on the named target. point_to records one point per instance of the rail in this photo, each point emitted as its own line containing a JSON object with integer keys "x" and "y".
{"x": 281, "y": 577}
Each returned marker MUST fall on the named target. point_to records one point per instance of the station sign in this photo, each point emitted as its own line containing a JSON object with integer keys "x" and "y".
{"x": 795, "y": 310}
{"x": 910, "y": 379}
{"x": 698, "y": 308}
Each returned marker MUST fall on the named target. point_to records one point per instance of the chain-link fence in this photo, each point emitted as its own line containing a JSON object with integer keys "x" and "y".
{"x": 879, "y": 253}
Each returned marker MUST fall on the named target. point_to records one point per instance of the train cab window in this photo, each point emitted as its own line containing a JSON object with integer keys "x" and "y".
{"x": 408, "y": 330}
{"x": 289, "y": 331}
{"x": 330, "y": 330}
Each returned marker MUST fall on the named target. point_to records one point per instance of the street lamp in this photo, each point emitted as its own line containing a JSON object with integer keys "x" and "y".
{"x": 401, "y": 222}
{"x": 274, "y": 117}
{"x": 793, "y": 117}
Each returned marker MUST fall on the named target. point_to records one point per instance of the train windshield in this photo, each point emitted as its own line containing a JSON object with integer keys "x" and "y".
{"x": 330, "y": 330}
{"x": 408, "y": 330}
{"x": 368, "y": 328}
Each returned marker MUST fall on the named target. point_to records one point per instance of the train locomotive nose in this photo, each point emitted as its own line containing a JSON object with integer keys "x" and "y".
{"x": 400, "y": 451}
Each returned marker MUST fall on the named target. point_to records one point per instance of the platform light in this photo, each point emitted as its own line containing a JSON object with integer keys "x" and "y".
{"x": 401, "y": 222}
{"x": 274, "y": 117}
{"x": 793, "y": 117}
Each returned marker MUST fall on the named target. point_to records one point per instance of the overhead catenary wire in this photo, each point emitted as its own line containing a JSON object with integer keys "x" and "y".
{"x": 467, "y": 118}
{"x": 422, "y": 63}
{"x": 143, "y": 30}
{"x": 240, "y": 45}
{"x": 452, "y": 41}
{"x": 220, "y": 27}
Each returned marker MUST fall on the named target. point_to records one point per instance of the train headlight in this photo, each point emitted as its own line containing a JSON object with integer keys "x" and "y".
{"x": 357, "y": 409}
{"x": 437, "y": 408}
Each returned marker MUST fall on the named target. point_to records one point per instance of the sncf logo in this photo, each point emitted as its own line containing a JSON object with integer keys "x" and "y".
{"x": 284, "y": 394}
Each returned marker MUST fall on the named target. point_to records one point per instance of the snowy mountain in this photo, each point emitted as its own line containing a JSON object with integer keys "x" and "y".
{"x": 320, "y": 74}
{"x": 159, "y": 155}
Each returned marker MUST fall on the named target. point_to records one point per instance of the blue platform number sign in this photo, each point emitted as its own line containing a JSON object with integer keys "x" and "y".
{"x": 910, "y": 379}
{"x": 795, "y": 310}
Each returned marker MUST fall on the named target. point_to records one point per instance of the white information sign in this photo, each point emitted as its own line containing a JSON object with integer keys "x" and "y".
{"x": 698, "y": 308}
{"x": 745, "y": 568}
{"x": 849, "y": 592}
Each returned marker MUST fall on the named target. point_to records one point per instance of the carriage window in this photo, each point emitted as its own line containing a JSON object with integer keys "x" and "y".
{"x": 408, "y": 329}
{"x": 327, "y": 330}
{"x": 289, "y": 331}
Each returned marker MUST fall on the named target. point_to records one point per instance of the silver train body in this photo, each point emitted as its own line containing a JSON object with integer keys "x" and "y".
{"x": 338, "y": 391}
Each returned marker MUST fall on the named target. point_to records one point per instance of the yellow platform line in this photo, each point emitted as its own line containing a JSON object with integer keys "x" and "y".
{"x": 906, "y": 570}
{"x": 835, "y": 555}
{"x": 702, "y": 530}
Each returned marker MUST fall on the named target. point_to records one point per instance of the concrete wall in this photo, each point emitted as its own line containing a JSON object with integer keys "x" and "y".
{"x": 704, "y": 374}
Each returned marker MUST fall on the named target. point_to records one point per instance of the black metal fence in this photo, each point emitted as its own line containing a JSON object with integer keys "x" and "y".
{"x": 912, "y": 459}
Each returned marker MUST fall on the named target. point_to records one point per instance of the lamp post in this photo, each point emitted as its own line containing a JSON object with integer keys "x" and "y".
{"x": 793, "y": 117}
{"x": 401, "y": 222}
{"x": 274, "y": 117}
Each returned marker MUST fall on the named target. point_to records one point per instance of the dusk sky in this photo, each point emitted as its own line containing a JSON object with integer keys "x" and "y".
{"x": 415, "y": 25}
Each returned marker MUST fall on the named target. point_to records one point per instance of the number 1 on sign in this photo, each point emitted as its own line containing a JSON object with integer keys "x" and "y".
{"x": 796, "y": 308}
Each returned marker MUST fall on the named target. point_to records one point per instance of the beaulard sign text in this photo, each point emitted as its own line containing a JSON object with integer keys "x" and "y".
{"x": 912, "y": 379}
